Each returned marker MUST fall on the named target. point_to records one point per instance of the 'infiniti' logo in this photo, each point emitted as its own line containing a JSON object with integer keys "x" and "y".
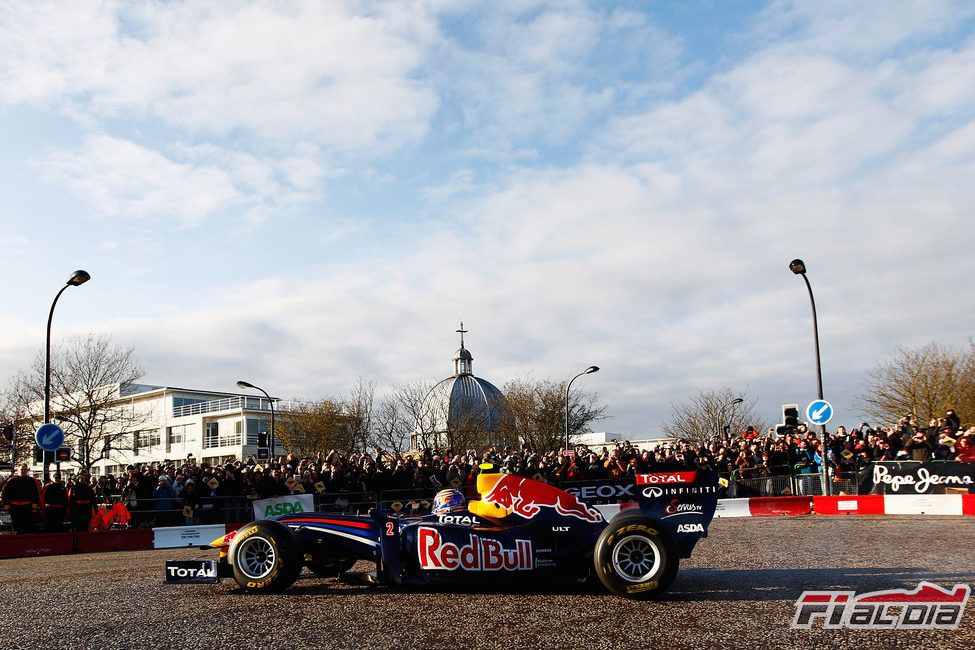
{"x": 653, "y": 492}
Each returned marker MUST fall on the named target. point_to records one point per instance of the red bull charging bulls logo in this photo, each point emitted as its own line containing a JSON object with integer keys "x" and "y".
{"x": 504, "y": 494}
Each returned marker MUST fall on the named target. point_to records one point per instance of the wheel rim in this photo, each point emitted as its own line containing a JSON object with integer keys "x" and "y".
{"x": 256, "y": 557}
{"x": 636, "y": 558}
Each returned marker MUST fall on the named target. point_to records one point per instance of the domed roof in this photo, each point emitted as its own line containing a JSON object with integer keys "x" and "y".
{"x": 463, "y": 401}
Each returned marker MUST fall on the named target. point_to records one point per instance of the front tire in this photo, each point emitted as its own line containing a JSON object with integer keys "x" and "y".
{"x": 635, "y": 557}
{"x": 264, "y": 557}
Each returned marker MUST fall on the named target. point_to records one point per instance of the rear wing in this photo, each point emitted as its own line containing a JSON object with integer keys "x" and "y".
{"x": 682, "y": 500}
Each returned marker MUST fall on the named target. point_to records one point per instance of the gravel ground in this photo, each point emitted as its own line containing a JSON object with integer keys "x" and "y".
{"x": 738, "y": 591}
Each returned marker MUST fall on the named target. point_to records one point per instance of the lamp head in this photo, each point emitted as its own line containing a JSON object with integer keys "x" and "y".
{"x": 244, "y": 384}
{"x": 737, "y": 400}
{"x": 797, "y": 266}
{"x": 78, "y": 277}
{"x": 592, "y": 369}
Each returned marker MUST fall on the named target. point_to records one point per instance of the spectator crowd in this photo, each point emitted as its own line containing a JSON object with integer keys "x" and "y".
{"x": 190, "y": 493}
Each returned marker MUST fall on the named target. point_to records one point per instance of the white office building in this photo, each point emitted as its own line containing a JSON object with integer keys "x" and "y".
{"x": 177, "y": 425}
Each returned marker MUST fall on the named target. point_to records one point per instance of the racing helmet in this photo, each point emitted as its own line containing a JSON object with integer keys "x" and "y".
{"x": 448, "y": 501}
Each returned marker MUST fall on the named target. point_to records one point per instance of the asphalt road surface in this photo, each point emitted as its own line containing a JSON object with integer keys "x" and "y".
{"x": 738, "y": 591}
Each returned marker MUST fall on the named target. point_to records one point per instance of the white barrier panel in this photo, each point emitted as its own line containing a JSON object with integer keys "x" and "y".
{"x": 178, "y": 536}
{"x": 289, "y": 505}
{"x": 732, "y": 508}
{"x": 922, "y": 504}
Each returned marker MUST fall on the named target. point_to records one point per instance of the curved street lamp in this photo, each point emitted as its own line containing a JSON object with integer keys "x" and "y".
{"x": 798, "y": 267}
{"x": 733, "y": 403}
{"x": 247, "y": 384}
{"x": 79, "y": 277}
{"x": 587, "y": 371}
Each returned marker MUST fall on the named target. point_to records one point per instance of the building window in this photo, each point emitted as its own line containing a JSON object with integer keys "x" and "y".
{"x": 175, "y": 435}
{"x": 255, "y": 426}
{"x": 211, "y": 437}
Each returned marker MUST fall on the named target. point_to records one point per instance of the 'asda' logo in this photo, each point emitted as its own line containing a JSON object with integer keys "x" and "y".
{"x": 283, "y": 509}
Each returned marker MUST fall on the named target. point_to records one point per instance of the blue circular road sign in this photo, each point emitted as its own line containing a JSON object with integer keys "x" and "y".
{"x": 819, "y": 412}
{"x": 49, "y": 437}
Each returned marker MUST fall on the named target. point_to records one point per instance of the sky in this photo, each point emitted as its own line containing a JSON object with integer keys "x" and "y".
{"x": 300, "y": 194}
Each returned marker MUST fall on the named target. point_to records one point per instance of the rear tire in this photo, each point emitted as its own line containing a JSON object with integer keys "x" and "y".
{"x": 264, "y": 557}
{"x": 636, "y": 557}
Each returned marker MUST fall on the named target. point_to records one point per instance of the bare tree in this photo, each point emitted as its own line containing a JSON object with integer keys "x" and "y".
{"x": 358, "y": 409}
{"x": 391, "y": 427}
{"x": 924, "y": 383}
{"x": 407, "y": 414}
{"x": 90, "y": 379}
{"x": 536, "y": 413}
{"x": 312, "y": 427}
{"x": 706, "y": 414}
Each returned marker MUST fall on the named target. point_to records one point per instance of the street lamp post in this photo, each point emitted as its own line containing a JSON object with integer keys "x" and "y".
{"x": 798, "y": 267}
{"x": 724, "y": 423}
{"x": 77, "y": 278}
{"x": 245, "y": 384}
{"x": 587, "y": 371}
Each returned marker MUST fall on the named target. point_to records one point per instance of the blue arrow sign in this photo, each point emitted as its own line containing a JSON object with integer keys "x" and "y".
{"x": 819, "y": 412}
{"x": 49, "y": 437}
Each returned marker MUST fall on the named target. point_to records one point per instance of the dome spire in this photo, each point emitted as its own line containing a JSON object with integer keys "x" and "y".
{"x": 463, "y": 361}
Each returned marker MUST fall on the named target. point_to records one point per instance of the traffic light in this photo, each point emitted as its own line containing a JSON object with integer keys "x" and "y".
{"x": 262, "y": 439}
{"x": 790, "y": 415}
{"x": 38, "y": 454}
{"x": 8, "y": 432}
{"x": 790, "y": 419}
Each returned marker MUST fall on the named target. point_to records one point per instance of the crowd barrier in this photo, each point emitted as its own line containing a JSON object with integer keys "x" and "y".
{"x": 896, "y": 504}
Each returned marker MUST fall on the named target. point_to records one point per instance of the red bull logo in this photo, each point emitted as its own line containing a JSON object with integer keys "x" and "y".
{"x": 503, "y": 494}
{"x": 479, "y": 555}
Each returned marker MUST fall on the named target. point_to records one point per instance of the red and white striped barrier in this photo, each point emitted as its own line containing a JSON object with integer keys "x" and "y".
{"x": 896, "y": 504}
{"x": 763, "y": 507}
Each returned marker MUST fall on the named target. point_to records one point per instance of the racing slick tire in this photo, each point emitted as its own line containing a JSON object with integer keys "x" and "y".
{"x": 635, "y": 557}
{"x": 264, "y": 557}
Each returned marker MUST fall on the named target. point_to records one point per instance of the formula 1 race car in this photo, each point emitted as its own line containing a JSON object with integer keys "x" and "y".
{"x": 520, "y": 530}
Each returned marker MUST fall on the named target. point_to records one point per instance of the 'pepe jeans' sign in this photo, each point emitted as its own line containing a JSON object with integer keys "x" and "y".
{"x": 267, "y": 508}
{"x": 913, "y": 477}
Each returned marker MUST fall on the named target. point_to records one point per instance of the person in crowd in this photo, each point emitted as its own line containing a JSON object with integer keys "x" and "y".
{"x": 965, "y": 447}
{"x": 81, "y": 500}
{"x": 54, "y": 504}
{"x": 919, "y": 447}
{"x": 132, "y": 499}
{"x": 165, "y": 502}
{"x": 103, "y": 490}
{"x": 21, "y": 495}
{"x": 231, "y": 492}
{"x": 191, "y": 503}
{"x": 952, "y": 421}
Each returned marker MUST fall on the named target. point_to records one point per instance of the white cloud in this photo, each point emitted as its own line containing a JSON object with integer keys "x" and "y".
{"x": 551, "y": 173}
{"x": 295, "y": 71}
{"x": 121, "y": 178}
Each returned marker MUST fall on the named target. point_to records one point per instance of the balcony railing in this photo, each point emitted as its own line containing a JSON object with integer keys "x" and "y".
{"x": 232, "y": 404}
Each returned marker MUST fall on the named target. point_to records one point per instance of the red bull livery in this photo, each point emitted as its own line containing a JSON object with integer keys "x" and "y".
{"x": 519, "y": 531}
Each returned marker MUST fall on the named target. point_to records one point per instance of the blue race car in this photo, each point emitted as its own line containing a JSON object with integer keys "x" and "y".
{"x": 520, "y": 530}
